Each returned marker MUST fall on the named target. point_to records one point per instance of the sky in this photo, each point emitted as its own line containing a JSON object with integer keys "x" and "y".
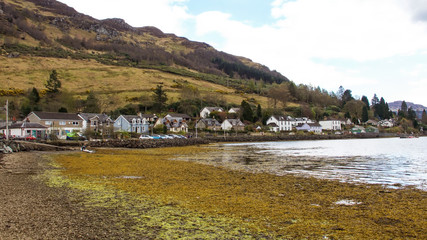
{"x": 367, "y": 46}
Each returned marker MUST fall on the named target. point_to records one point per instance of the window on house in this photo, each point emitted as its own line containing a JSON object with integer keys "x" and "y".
{"x": 75, "y": 123}
{"x": 48, "y": 123}
{"x": 62, "y": 123}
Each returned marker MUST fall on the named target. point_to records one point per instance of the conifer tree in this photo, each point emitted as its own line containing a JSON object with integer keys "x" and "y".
{"x": 247, "y": 113}
{"x": 366, "y": 101}
{"x": 53, "y": 84}
{"x": 34, "y": 96}
{"x": 365, "y": 115}
{"x": 375, "y": 100}
{"x": 404, "y": 108}
{"x": 259, "y": 112}
{"x": 159, "y": 98}
{"x": 424, "y": 117}
{"x": 92, "y": 104}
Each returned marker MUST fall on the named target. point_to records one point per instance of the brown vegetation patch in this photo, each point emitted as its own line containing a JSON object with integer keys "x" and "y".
{"x": 264, "y": 204}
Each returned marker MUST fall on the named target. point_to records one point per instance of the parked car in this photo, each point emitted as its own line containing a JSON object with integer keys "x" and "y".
{"x": 156, "y": 137}
{"x": 145, "y": 137}
{"x": 30, "y": 138}
{"x": 166, "y": 137}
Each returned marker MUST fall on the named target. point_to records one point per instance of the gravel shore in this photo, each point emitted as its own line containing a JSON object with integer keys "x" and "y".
{"x": 29, "y": 209}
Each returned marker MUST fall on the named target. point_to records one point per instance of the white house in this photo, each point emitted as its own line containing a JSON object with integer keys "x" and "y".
{"x": 131, "y": 123}
{"x": 96, "y": 122}
{"x": 280, "y": 123}
{"x": 301, "y": 120}
{"x": 208, "y": 110}
{"x": 309, "y": 127}
{"x": 232, "y": 124}
{"x": 334, "y": 125}
{"x": 25, "y": 129}
{"x": 234, "y": 110}
{"x": 385, "y": 123}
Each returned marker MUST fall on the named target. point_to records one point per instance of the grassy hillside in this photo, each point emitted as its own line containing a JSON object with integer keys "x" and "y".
{"x": 120, "y": 84}
{"x": 116, "y": 61}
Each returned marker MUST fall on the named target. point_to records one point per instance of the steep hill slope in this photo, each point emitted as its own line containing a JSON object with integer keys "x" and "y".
{"x": 53, "y": 25}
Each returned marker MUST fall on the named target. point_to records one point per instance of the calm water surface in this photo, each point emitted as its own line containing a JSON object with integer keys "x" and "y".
{"x": 390, "y": 161}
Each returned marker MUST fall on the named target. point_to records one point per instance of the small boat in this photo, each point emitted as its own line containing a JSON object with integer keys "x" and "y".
{"x": 83, "y": 149}
{"x": 88, "y": 151}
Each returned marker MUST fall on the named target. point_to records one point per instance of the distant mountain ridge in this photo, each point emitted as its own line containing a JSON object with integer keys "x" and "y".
{"x": 418, "y": 108}
{"x": 394, "y": 106}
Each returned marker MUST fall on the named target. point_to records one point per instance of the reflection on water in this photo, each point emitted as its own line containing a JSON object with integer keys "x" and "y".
{"x": 392, "y": 161}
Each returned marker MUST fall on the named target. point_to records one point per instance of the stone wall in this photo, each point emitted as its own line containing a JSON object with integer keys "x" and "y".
{"x": 20, "y": 146}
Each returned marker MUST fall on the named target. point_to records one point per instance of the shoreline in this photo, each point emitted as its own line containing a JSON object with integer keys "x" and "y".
{"x": 30, "y": 209}
{"x": 33, "y": 210}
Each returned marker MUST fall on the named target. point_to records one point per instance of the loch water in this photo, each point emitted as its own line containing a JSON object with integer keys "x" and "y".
{"x": 393, "y": 162}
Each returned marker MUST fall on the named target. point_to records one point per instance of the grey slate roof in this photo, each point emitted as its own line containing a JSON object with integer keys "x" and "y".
{"x": 102, "y": 117}
{"x": 57, "y": 116}
{"x": 24, "y": 125}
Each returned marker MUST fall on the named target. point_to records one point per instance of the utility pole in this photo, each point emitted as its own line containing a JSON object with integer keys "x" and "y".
{"x": 196, "y": 127}
{"x": 7, "y": 119}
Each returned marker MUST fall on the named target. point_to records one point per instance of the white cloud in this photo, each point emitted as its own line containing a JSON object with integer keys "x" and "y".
{"x": 353, "y": 30}
{"x": 167, "y": 15}
{"x": 304, "y": 30}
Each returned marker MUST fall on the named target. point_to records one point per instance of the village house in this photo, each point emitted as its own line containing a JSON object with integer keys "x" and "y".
{"x": 176, "y": 126}
{"x": 371, "y": 122}
{"x": 206, "y": 111}
{"x": 234, "y": 110}
{"x": 131, "y": 123}
{"x": 58, "y": 124}
{"x": 100, "y": 123}
{"x": 233, "y": 124}
{"x": 357, "y": 130}
{"x": 182, "y": 116}
{"x": 309, "y": 127}
{"x": 280, "y": 123}
{"x": 209, "y": 123}
{"x": 151, "y": 118}
{"x": 331, "y": 125}
{"x": 385, "y": 123}
{"x": 175, "y": 122}
{"x": 25, "y": 130}
{"x": 298, "y": 121}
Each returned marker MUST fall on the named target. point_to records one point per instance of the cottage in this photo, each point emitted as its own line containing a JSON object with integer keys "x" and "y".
{"x": 357, "y": 130}
{"x": 332, "y": 125}
{"x": 208, "y": 110}
{"x": 385, "y": 123}
{"x": 100, "y": 123}
{"x": 58, "y": 124}
{"x": 25, "y": 129}
{"x": 233, "y": 124}
{"x": 309, "y": 127}
{"x": 131, "y": 123}
{"x": 209, "y": 123}
{"x": 175, "y": 122}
